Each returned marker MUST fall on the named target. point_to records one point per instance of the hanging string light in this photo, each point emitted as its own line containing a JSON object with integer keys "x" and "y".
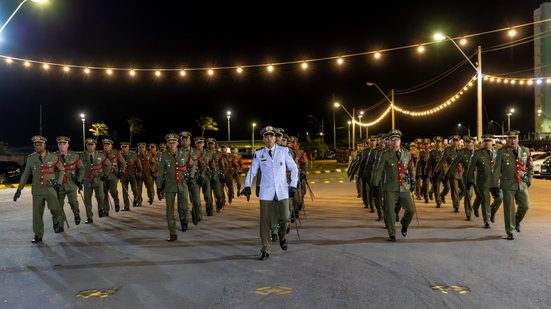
{"x": 381, "y": 117}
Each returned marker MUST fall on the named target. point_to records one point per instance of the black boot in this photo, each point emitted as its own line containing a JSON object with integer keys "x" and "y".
{"x": 58, "y": 228}
{"x": 184, "y": 226}
{"x": 77, "y": 219}
{"x": 117, "y": 208}
{"x": 36, "y": 239}
{"x": 172, "y": 237}
{"x": 88, "y": 221}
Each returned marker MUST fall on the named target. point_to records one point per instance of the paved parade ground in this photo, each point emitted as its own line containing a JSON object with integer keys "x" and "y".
{"x": 342, "y": 259}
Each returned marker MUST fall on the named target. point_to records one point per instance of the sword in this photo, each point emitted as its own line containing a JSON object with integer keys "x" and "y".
{"x": 415, "y": 208}
{"x": 127, "y": 193}
{"x": 296, "y": 225}
{"x": 310, "y": 191}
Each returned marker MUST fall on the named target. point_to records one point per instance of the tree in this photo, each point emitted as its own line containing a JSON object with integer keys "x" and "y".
{"x": 3, "y": 148}
{"x": 207, "y": 123}
{"x": 99, "y": 129}
{"x": 135, "y": 126}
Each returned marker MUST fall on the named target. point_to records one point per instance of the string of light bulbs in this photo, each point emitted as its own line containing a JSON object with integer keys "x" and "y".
{"x": 269, "y": 67}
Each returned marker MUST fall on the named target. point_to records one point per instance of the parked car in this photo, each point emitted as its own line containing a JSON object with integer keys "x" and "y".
{"x": 538, "y": 161}
{"x": 10, "y": 171}
{"x": 545, "y": 171}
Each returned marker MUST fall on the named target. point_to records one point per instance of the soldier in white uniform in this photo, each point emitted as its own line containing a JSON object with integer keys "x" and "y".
{"x": 273, "y": 161}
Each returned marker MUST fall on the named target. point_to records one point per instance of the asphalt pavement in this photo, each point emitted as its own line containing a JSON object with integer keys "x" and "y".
{"x": 342, "y": 259}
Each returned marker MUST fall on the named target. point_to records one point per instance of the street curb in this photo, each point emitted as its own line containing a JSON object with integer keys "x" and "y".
{"x": 338, "y": 170}
{"x": 12, "y": 186}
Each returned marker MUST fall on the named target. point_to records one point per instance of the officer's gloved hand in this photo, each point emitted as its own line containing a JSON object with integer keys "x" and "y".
{"x": 528, "y": 183}
{"x": 159, "y": 195}
{"x": 138, "y": 177}
{"x": 247, "y": 192}
{"x": 119, "y": 175}
{"x": 292, "y": 191}
{"x": 302, "y": 176}
{"x": 494, "y": 191}
{"x": 103, "y": 177}
{"x": 412, "y": 185}
{"x": 257, "y": 191}
{"x": 16, "y": 195}
{"x": 200, "y": 180}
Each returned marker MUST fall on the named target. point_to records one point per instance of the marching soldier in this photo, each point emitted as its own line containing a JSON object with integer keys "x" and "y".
{"x": 162, "y": 147}
{"x": 395, "y": 171}
{"x": 192, "y": 155}
{"x": 175, "y": 173}
{"x": 236, "y": 166}
{"x": 153, "y": 166}
{"x": 148, "y": 166}
{"x": 482, "y": 163}
{"x": 118, "y": 165}
{"x": 72, "y": 180}
{"x": 96, "y": 169}
{"x": 368, "y": 173}
{"x": 273, "y": 160}
{"x": 299, "y": 156}
{"x": 43, "y": 165}
{"x": 513, "y": 172}
{"x": 377, "y": 186}
{"x": 228, "y": 181}
{"x": 132, "y": 169}
{"x": 217, "y": 169}
{"x": 203, "y": 173}
{"x": 142, "y": 157}
{"x": 436, "y": 175}
{"x": 462, "y": 161}
{"x": 443, "y": 166}
{"x": 422, "y": 171}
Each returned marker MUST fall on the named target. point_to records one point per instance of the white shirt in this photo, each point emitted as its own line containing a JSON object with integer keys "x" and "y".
{"x": 274, "y": 172}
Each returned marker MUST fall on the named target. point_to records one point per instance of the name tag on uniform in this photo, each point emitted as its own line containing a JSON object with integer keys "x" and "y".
{"x": 262, "y": 160}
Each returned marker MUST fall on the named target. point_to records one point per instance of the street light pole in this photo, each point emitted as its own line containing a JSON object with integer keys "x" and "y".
{"x": 82, "y": 117}
{"x": 360, "y": 121}
{"x": 391, "y": 100}
{"x": 228, "y": 115}
{"x": 478, "y": 69}
{"x": 254, "y": 125}
{"x": 17, "y": 9}
{"x": 349, "y": 122}
{"x": 353, "y": 122}
{"x": 509, "y": 114}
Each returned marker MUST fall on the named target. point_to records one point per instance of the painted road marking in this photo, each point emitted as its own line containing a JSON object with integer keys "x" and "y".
{"x": 96, "y": 293}
{"x": 445, "y": 289}
{"x": 278, "y": 290}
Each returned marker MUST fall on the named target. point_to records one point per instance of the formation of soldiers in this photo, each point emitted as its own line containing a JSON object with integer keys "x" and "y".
{"x": 389, "y": 177}
{"x": 176, "y": 170}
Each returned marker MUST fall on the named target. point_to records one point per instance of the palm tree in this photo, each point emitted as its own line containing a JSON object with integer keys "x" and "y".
{"x": 135, "y": 126}
{"x": 99, "y": 129}
{"x": 207, "y": 123}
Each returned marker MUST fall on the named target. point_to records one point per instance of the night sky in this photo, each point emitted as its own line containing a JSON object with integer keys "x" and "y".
{"x": 159, "y": 34}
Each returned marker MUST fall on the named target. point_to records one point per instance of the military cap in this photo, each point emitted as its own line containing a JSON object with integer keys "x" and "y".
{"x": 395, "y": 133}
{"x": 171, "y": 137}
{"x": 413, "y": 144}
{"x": 152, "y": 145}
{"x": 457, "y": 137}
{"x": 268, "y": 130}
{"x": 211, "y": 140}
{"x": 488, "y": 137}
{"x": 107, "y": 141}
{"x": 293, "y": 139}
{"x": 199, "y": 139}
{"x": 141, "y": 144}
{"x": 418, "y": 140}
{"x": 437, "y": 139}
{"x": 279, "y": 131}
{"x": 233, "y": 147}
{"x": 124, "y": 144}
{"x": 223, "y": 146}
{"x": 373, "y": 138}
{"x": 185, "y": 134}
{"x": 63, "y": 139}
{"x": 90, "y": 141}
{"x": 38, "y": 139}
{"x": 163, "y": 145}
{"x": 513, "y": 133}
{"x": 468, "y": 138}
{"x": 285, "y": 136}
{"x": 426, "y": 141}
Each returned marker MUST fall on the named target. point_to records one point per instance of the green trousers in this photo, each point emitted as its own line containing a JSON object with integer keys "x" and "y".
{"x": 273, "y": 213}
{"x": 509, "y": 199}
{"x": 39, "y": 202}
{"x": 218, "y": 192}
{"x": 393, "y": 200}
{"x": 110, "y": 186}
{"x": 195, "y": 199}
{"x": 170, "y": 197}
{"x": 133, "y": 185}
{"x": 73, "y": 202}
{"x": 98, "y": 190}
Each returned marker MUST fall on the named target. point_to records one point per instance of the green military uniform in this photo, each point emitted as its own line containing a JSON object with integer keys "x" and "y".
{"x": 451, "y": 176}
{"x": 132, "y": 168}
{"x": 377, "y": 186}
{"x": 368, "y": 173}
{"x": 149, "y": 167}
{"x": 396, "y": 172}
{"x": 421, "y": 169}
{"x": 118, "y": 166}
{"x": 72, "y": 180}
{"x": 43, "y": 167}
{"x": 217, "y": 167}
{"x": 142, "y": 157}
{"x": 459, "y": 166}
{"x": 482, "y": 163}
{"x": 227, "y": 180}
{"x": 155, "y": 163}
{"x": 435, "y": 175}
{"x": 299, "y": 156}
{"x": 203, "y": 177}
{"x": 96, "y": 169}
{"x": 193, "y": 155}
{"x": 513, "y": 172}
{"x": 175, "y": 173}
{"x": 236, "y": 167}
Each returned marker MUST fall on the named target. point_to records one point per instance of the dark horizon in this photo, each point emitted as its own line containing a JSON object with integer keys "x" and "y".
{"x": 120, "y": 34}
